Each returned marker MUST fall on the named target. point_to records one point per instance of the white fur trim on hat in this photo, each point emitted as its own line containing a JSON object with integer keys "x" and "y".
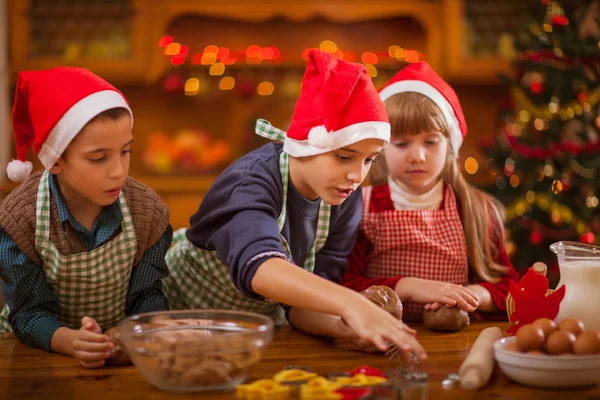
{"x": 341, "y": 138}
{"x": 73, "y": 121}
{"x": 320, "y": 137}
{"x": 18, "y": 171}
{"x": 456, "y": 137}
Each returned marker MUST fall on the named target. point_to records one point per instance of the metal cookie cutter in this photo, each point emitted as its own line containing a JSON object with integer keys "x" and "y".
{"x": 450, "y": 381}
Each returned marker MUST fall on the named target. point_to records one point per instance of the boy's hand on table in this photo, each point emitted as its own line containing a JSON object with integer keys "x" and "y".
{"x": 372, "y": 325}
{"x": 91, "y": 347}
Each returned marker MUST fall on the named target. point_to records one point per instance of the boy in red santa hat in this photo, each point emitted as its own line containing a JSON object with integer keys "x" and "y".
{"x": 276, "y": 226}
{"x": 82, "y": 245}
{"x": 426, "y": 232}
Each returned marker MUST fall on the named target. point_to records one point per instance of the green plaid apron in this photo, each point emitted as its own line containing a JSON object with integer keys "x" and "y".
{"x": 94, "y": 283}
{"x": 198, "y": 279}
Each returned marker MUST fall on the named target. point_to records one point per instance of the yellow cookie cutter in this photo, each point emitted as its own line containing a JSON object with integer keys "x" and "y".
{"x": 263, "y": 389}
{"x": 320, "y": 394}
{"x": 319, "y": 389}
{"x": 294, "y": 375}
{"x": 359, "y": 380}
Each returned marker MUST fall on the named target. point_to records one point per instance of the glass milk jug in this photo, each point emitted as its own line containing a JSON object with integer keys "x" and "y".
{"x": 580, "y": 272}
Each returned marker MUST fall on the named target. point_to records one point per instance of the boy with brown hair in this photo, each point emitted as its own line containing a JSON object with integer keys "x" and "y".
{"x": 82, "y": 245}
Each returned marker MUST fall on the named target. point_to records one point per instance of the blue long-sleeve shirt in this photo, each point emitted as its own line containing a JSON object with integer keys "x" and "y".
{"x": 238, "y": 219}
{"x": 32, "y": 303}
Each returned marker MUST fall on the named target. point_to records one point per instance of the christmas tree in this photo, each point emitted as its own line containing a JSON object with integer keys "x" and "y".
{"x": 546, "y": 156}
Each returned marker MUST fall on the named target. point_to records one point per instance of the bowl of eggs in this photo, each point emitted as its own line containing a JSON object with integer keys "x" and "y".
{"x": 550, "y": 355}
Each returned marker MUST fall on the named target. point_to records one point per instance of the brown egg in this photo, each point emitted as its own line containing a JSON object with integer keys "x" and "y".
{"x": 512, "y": 347}
{"x": 587, "y": 343}
{"x": 560, "y": 342}
{"x": 536, "y": 353}
{"x": 546, "y": 325}
{"x": 572, "y": 325}
{"x": 530, "y": 338}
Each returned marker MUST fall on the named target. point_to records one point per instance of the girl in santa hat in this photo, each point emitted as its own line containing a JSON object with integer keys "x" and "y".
{"x": 82, "y": 245}
{"x": 276, "y": 226}
{"x": 426, "y": 233}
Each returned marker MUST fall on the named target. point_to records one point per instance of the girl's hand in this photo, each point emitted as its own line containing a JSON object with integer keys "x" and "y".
{"x": 90, "y": 346}
{"x": 372, "y": 325}
{"x": 436, "y": 293}
{"x": 433, "y": 306}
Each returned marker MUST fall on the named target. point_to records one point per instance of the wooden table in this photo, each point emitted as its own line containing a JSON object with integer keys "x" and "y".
{"x": 27, "y": 373}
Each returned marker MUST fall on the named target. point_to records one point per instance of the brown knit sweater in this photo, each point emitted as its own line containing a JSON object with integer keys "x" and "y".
{"x": 17, "y": 217}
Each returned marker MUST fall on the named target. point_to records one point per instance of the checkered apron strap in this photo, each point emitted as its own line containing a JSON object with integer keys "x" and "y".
{"x": 427, "y": 244}
{"x": 265, "y": 129}
{"x": 42, "y": 211}
{"x": 4, "y": 325}
{"x": 198, "y": 279}
{"x": 93, "y": 283}
{"x": 322, "y": 230}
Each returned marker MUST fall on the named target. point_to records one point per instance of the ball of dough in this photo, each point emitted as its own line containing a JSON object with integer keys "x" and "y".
{"x": 386, "y": 298}
{"x": 446, "y": 319}
{"x": 119, "y": 355}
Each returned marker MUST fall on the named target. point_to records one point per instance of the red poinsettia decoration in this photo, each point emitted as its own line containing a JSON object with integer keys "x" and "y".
{"x": 531, "y": 301}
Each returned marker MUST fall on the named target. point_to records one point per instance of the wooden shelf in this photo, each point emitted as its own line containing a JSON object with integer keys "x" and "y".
{"x": 80, "y": 12}
{"x": 481, "y": 71}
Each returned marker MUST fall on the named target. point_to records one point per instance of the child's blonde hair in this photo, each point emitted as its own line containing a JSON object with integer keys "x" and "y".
{"x": 482, "y": 215}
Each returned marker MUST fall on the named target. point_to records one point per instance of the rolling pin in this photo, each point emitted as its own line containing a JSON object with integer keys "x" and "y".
{"x": 476, "y": 370}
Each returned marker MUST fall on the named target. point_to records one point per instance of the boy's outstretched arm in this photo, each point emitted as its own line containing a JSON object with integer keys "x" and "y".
{"x": 286, "y": 283}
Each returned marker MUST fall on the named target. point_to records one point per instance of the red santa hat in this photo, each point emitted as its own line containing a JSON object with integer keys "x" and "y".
{"x": 338, "y": 106}
{"x": 420, "y": 78}
{"x": 51, "y": 107}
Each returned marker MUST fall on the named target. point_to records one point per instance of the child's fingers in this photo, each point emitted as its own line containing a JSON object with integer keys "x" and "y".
{"x": 461, "y": 302}
{"x": 92, "y": 347}
{"x": 408, "y": 344}
{"x": 87, "y": 336}
{"x": 403, "y": 340}
{"x": 91, "y": 356}
{"x": 409, "y": 357}
{"x": 447, "y": 300}
{"x": 471, "y": 297}
{"x": 90, "y": 324}
{"x": 432, "y": 306}
{"x": 408, "y": 329}
{"x": 379, "y": 342}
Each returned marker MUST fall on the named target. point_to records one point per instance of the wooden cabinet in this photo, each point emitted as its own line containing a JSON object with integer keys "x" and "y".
{"x": 107, "y": 37}
{"x": 447, "y": 26}
{"x": 428, "y": 15}
{"x": 119, "y": 40}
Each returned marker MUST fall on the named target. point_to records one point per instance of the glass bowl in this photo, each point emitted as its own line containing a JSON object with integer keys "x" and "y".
{"x": 196, "y": 350}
